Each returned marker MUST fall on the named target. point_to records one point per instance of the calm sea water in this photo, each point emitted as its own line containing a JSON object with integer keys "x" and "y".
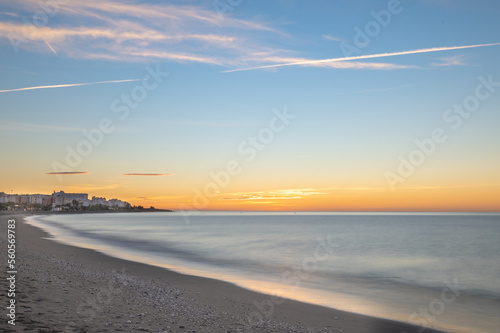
{"x": 437, "y": 270}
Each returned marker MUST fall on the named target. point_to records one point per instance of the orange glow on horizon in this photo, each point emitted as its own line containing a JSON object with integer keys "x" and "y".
{"x": 466, "y": 199}
{"x": 149, "y": 191}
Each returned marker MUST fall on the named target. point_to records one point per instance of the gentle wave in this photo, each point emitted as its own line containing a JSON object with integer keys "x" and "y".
{"x": 379, "y": 264}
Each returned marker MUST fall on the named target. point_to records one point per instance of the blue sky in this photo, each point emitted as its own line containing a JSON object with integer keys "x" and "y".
{"x": 353, "y": 118}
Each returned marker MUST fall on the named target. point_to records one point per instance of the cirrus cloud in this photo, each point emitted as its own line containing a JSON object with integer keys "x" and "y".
{"x": 332, "y": 61}
{"x": 287, "y": 194}
{"x": 141, "y": 32}
{"x": 133, "y": 31}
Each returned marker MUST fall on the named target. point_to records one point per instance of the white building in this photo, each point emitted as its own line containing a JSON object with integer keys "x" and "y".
{"x": 41, "y": 199}
{"x": 99, "y": 201}
{"x": 117, "y": 203}
{"x": 86, "y": 203}
{"x": 60, "y": 199}
{"x": 71, "y": 196}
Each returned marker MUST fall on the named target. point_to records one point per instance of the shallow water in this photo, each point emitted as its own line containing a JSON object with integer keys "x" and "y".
{"x": 437, "y": 270}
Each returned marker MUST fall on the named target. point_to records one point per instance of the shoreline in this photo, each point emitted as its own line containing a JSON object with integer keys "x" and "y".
{"x": 49, "y": 212}
{"x": 69, "y": 289}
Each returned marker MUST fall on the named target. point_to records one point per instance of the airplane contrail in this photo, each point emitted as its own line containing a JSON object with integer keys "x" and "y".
{"x": 68, "y": 85}
{"x": 50, "y": 46}
{"x": 369, "y": 56}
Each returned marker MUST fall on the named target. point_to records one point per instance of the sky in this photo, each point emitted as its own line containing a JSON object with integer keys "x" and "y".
{"x": 254, "y": 105}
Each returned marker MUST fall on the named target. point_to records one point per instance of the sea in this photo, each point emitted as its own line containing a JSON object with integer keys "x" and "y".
{"x": 439, "y": 270}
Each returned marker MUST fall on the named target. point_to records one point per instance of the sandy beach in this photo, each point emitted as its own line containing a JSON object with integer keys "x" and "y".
{"x": 60, "y": 288}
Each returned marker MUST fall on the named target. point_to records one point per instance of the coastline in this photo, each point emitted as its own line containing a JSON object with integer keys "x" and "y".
{"x": 68, "y": 289}
{"x": 49, "y": 212}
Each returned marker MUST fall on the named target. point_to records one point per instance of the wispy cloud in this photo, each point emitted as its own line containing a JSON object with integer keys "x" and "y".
{"x": 67, "y": 85}
{"x": 450, "y": 61}
{"x": 273, "y": 195}
{"x": 172, "y": 14}
{"x": 335, "y": 64}
{"x": 10, "y": 14}
{"x": 281, "y": 196}
{"x": 332, "y": 38}
{"x": 148, "y": 174}
{"x": 370, "y": 56}
{"x": 140, "y": 32}
{"x": 132, "y": 31}
{"x": 68, "y": 173}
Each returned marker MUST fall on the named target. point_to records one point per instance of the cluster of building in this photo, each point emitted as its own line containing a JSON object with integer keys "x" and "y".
{"x": 59, "y": 201}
